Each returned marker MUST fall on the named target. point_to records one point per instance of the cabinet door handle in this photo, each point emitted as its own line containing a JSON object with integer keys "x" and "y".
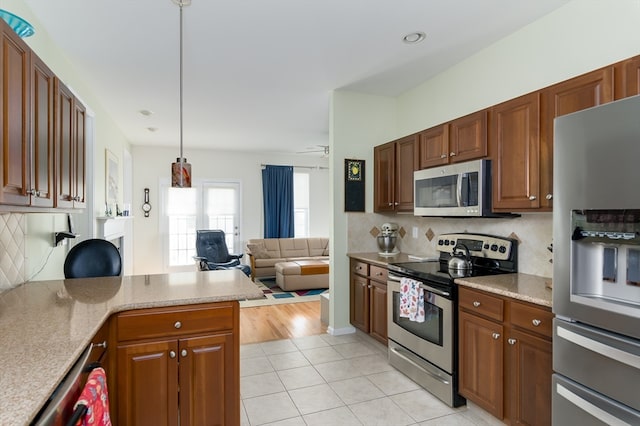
{"x": 495, "y": 336}
{"x": 183, "y": 353}
{"x": 452, "y": 154}
{"x": 511, "y": 341}
{"x": 532, "y": 198}
{"x": 178, "y": 324}
{"x": 390, "y": 204}
{"x": 396, "y": 203}
{"x": 443, "y": 156}
{"x": 172, "y": 354}
{"x": 536, "y": 322}
{"x": 549, "y": 196}
{"x": 476, "y": 304}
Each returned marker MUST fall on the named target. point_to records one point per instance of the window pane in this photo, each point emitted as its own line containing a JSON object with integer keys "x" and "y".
{"x": 181, "y": 201}
{"x": 182, "y": 240}
{"x": 301, "y": 204}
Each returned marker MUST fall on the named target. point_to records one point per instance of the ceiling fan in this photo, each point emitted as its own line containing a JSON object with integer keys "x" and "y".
{"x": 322, "y": 149}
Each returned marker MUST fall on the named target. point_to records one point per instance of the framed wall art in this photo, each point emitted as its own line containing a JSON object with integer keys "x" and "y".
{"x": 111, "y": 178}
{"x": 354, "y": 185}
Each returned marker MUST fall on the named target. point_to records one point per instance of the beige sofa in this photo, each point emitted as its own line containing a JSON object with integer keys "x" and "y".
{"x": 266, "y": 252}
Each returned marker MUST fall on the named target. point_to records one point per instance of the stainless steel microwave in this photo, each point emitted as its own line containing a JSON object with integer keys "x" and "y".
{"x": 455, "y": 190}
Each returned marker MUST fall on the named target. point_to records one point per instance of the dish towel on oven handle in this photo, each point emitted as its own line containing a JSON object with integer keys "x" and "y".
{"x": 96, "y": 398}
{"x": 411, "y": 300}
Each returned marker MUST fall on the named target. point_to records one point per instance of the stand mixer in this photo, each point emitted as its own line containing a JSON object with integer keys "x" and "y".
{"x": 387, "y": 239}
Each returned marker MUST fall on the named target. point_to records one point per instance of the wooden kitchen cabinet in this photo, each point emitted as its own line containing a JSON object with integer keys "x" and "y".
{"x": 178, "y": 365}
{"x": 394, "y": 164}
{"x": 368, "y": 298}
{"x": 70, "y": 148}
{"x": 468, "y": 137}
{"x": 15, "y": 108}
{"x": 627, "y": 78}
{"x": 505, "y": 356}
{"x": 582, "y": 92}
{"x": 28, "y": 115}
{"x": 460, "y": 140}
{"x": 42, "y": 133}
{"x": 514, "y": 137}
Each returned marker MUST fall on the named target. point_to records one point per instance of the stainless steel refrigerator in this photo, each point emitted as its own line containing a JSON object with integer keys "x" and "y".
{"x": 596, "y": 266}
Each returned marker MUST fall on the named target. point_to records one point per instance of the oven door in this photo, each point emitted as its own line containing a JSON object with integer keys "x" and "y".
{"x": 431, "y": 339}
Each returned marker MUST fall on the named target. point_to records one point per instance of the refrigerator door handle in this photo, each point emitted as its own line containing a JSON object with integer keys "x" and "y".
{"x": 603, "y": 349}
{"x": 598, "y": 413}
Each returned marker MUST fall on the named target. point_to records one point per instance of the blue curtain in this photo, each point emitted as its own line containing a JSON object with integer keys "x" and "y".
{"x": 277, "y": 192}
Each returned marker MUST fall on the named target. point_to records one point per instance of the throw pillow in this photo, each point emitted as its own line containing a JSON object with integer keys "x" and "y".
{"x": 258, "y": 250}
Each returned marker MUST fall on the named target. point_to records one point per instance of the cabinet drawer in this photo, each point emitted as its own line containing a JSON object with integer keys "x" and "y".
{"x": 360, "y": 268}
{"x": 481, "y": 304}
{"x": 379, "y": 274}
{"x": 166, "y": 322}
{"x": 532, "y": 318}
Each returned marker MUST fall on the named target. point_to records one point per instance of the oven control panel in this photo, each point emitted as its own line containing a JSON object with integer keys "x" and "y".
{"x": 479, "y": 245}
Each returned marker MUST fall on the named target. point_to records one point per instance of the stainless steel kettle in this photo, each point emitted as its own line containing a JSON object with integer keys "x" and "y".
{"x": 460, "y": 262}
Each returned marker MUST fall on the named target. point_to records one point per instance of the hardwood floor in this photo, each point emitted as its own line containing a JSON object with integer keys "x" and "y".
{"x": 273, "y": 322}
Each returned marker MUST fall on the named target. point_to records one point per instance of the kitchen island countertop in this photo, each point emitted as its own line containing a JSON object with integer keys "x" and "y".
{"x": 525, "y": 287}
{"x": 45, "y": 325}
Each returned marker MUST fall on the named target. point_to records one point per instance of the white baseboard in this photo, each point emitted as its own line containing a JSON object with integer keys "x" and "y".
{"x": 340, "y": 331}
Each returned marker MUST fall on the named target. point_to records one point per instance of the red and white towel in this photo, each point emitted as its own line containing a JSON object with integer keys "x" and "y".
{"x": 411, "y": 300}
{"x": 96, "y": 398}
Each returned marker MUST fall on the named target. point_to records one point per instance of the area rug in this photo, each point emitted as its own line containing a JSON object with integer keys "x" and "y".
{"x": 274, "y": 295}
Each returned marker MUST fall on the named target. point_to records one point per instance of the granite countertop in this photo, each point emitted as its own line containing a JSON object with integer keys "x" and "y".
{"x": 379, "y": 260}
{"x": 529, "y": 288}
{"x": 45, "y": 326}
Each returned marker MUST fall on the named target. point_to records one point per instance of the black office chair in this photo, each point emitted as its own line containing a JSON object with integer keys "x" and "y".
{"x": 212, "y": 252}
{"x": 93, "y": 258}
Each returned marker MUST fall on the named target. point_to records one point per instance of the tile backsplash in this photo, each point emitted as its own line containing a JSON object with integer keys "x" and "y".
{"x": 533, "y": 230}
{"x": 12, "y": 250}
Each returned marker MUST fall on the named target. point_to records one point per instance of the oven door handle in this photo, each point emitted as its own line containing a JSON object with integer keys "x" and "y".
{"x": 397, "y": 278}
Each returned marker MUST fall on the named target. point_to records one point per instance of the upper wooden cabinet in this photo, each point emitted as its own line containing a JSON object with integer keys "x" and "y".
{"x": 15, "y": 110}
{"x": 468, "y": 137}
{"x": 70, "y": 147}
{"x": 38, "y": 115}
{"x": 514, "y": 137}
{"x": 627, "y": 78}
{"x": 582, "y": 92}
{"x": 42, "y": 133}
{"x": 460, "y": 140}
{"x": 394, "y": 164}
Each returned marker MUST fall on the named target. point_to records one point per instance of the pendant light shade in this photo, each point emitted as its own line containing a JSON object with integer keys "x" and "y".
{"x": 17, "y": 24}
{"x": 181, "y": 170}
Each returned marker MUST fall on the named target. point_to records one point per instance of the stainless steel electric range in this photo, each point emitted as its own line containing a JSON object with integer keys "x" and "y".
{"x": 427, "y": 351}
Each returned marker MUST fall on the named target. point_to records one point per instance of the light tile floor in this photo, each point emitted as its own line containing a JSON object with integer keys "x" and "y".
{"x": 337, "y": 380}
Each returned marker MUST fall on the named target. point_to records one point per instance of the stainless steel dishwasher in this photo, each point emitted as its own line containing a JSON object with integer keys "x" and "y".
{"x": 59, "y": 408}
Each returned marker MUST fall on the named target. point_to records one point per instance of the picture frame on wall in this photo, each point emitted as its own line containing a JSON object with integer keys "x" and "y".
{"x": 111, "y": 168}
{"x": 354, "y": 185}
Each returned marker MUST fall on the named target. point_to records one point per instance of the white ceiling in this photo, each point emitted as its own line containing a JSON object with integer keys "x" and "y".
{"x": 258, "y": 73}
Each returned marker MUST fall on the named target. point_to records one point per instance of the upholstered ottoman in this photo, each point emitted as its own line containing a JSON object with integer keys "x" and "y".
{"x": 302, "y": 274}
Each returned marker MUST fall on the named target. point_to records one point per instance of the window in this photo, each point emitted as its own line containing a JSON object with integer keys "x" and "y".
{"x": 301, "y": 204}
{"x": 206, "y": 205}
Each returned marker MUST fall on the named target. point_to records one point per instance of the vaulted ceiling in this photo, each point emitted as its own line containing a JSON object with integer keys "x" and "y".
{"x": 258, "y": 74}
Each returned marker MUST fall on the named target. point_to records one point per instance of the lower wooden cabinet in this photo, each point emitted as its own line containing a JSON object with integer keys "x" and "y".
{"x": 505, "y": 357}
{"x": 368, "y": 299}
{"x": 178, "y": 365}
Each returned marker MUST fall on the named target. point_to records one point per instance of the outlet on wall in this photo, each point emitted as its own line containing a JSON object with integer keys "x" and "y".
{"x": 414, "y": 232}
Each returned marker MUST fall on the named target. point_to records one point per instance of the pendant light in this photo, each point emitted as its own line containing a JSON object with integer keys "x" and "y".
{"x": 181, "y": 170}
{"x": 17, "y": 24}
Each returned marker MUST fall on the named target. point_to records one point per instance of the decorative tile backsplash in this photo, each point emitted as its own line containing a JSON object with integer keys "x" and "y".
{"x": 12, "y": 249}
{"x": 533, "y": 231}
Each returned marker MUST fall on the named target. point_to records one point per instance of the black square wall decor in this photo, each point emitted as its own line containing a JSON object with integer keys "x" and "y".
{"x": 353, "y": 185}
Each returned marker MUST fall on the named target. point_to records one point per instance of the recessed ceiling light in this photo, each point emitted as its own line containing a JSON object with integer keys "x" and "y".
{"x": 152, "y": 129}
{"x": 415, "y": 37}
{"x": 145, "y": 112}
